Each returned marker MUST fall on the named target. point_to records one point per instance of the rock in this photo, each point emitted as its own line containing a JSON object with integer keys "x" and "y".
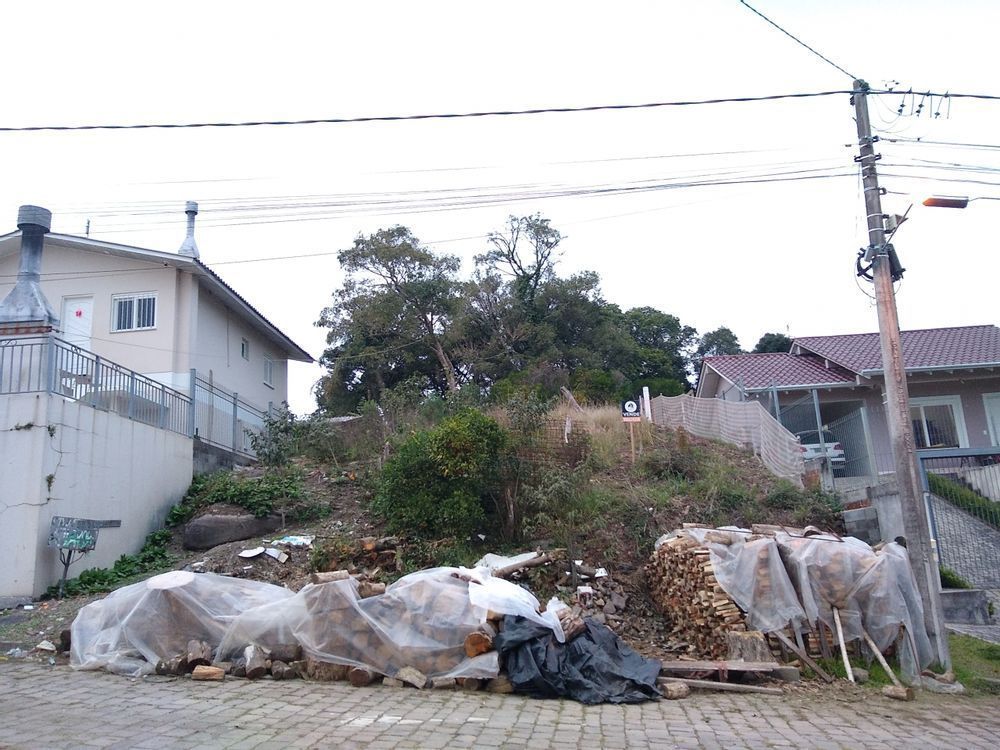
{"x": 599, "y": 617}
{"x": 412, "y": 676}
{"x": 65, "y": 640}
{"x": 46, "y": 646}
{"x": 860, "y": 675}
{"x": 619, "y": 601}
{"x": 609, "y": 609}
{"x": 499, "y": 684}
{"x": 212, "y": 530}
{"x": 787, "y": 674}
{"x": 933, "y": 686}
{"x": 392, "y": 682}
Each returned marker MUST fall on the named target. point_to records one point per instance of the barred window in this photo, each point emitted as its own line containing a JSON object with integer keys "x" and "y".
{"x": 133, "y": 312}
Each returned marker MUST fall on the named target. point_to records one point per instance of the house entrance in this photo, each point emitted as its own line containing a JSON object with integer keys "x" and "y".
{"x": 77, "y": 320}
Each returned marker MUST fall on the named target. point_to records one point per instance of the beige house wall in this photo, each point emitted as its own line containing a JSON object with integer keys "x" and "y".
{"x": 112, "y": 474}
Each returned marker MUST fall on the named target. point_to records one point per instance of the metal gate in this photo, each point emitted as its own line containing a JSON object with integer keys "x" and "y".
{"x": 964, "y": 508}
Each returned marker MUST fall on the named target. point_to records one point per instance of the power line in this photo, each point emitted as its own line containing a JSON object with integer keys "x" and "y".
{"x": 437, "y": 116}
{"x": 799, "y": 41}
{"x": 942, "y": 143}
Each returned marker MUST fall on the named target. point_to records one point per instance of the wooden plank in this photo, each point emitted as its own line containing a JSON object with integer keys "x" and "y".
{"x": 728, "y": 687}
{"x": 843, "y": 646}
{"x": 801, "y": 653}
{"x": 683, "y": 665}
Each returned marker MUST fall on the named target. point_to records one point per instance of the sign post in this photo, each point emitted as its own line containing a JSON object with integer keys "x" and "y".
{"x": 75, "y": 536}
{"x": 631, "y": 413}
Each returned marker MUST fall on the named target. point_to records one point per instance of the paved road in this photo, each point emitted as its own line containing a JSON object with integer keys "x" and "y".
{"x": 55, "y": 707}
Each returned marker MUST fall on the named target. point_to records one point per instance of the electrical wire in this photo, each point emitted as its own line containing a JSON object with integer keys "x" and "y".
{"x": 436, "y": 116}
{"x": 799, "y": 41}
{"x": 989, "y": 146}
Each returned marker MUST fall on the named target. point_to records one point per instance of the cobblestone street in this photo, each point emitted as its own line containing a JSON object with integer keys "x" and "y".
{"x": 43, "y": 707}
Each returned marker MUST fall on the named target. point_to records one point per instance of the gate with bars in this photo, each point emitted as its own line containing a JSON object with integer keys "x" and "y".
{"x": 963, "y": 487}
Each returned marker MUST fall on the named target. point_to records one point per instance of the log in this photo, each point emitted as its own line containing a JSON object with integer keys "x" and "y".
{"x": 367, "y": 589}
{"x": 541, "y": 558}
{"x": 239, "y": 667}
{"x": 881, "y": 659}
{"x": 324, "y": 671}
{"x": 898, "y": 693}
{"x": 199, "y": 654}
{"x": 806, "y": 659}
{"x": 286, "y": 652}
{"x": 283, "y": 671}
{"x": 360, "y": 676}
{"x": 500, "y": 684}
{"x": 329, "y": 576}
{"x": 203, "y": 672}
{"x": 730, "y": 687}
{"x": 675, "y": 690}
{"x": 371, "y": 544}
{"x": 256, "y": 662}
{"x": 683, "y": 665}
{"x": 443, "y": 683}
{"x": 174, "y": 666}
{"x": 480, "y": 641}
{"x": 469, "y": 683}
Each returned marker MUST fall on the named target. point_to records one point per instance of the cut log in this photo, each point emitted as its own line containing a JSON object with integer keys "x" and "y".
{"x": 174, "y": 666}
{"x": 360, "y": 676}
{"x": 675, "y": 690}
{"x": 283, "y": 671}
{"x": 203, "y": 672}
{"x": 540, "y": 558}
{"x": 500, "y": 684}
{"x": 730, "y": 687}
{"x": 329, "y": 576}
{"x": 443, "y": 683}
{"x": 323, "y": 671}
{"x": 371, "y": 544}
{"x": 367, "y": 589}
{"x": 480, "y": 641}
{"x": 239, "y": 667}
{"x": 286, "y": 652}
{"x": 469, "y": 683}
{"x": 199, "y": 654}
{"x": 898, "y": 693}
{"x": 256, "y": 662}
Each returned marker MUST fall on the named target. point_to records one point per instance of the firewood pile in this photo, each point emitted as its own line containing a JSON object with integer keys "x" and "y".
{"x": 682, "y": 583}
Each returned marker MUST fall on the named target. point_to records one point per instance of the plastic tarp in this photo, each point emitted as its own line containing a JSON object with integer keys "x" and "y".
{"x": 753, "y": 575}
{"x": 594, "y": 667}
{"x": 873, "y": 591}
{"x": 137, "y": 625}
{"x": 420, "y": 621}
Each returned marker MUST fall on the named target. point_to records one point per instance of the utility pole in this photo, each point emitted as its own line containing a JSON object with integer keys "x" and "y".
{"x": 897, "y": 407}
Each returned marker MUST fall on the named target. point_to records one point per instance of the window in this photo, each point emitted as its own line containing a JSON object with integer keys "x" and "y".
{"x": 133, "y": 312}
{"x": 245, "y": 349}
{"x": 268, "y": 371}
{"x": 938, "y": 422}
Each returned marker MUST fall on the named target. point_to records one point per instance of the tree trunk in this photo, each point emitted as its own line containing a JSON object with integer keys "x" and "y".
{"x": 446, "y": 365}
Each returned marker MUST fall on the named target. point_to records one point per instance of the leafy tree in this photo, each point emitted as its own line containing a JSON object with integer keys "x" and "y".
{"x": 715, "y": 343}
{"x": 391, "y": 319}
{"x": 524, "y": 251}
{"x": 773, "y": 342}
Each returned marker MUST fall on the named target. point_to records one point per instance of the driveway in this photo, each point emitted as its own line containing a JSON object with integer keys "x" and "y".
{"x": 55, "y": 707}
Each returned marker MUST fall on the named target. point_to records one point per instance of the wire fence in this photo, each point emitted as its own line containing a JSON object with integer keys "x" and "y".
{"x": 224, "y": 419}
{"x": 746, "y": 424}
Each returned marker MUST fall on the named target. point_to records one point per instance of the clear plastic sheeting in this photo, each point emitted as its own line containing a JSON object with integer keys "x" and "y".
{"x": 753, "y": 575}
{"x": 874, "y": 592}
{"x": 132, "y": 628}
{"x": 420, "y": 621}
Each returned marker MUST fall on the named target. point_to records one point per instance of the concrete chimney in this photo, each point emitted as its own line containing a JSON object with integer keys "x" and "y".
{"x": 189, "y": 247}
{"x": 25, "y": 309}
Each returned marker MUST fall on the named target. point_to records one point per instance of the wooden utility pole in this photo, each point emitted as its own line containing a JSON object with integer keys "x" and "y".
{"x": 897, "y": 406}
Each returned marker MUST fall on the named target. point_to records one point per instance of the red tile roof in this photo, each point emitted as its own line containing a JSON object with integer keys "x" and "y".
{"x": 930, "y": 347}
{"x": 755, "y": 371}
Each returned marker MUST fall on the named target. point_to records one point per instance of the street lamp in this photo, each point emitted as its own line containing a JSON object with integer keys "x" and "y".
{"x": 955, "y": 201}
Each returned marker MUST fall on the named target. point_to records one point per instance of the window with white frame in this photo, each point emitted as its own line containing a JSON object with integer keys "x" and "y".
{"x": 245, "y": 349}
{"x": 938, "y": 422}
{"x": 268, "y": 371}
{"x": 133, "y": 312}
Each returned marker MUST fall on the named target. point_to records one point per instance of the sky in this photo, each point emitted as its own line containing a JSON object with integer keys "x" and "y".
{"x": 277, "y": 203}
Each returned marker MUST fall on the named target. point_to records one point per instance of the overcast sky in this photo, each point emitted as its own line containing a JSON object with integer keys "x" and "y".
{"x": 757, "y": 257}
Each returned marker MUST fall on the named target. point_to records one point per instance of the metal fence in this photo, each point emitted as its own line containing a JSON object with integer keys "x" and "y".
{"x": 46, "y": 364}
{"x": 964, "y": 508}
{"x": 744, "y": 423}
{"x": 223, "y": 418}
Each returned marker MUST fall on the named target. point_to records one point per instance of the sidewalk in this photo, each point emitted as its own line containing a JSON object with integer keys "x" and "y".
{"x": 55, "y": 707}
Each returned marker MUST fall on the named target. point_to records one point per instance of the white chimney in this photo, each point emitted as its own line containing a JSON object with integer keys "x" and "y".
{"x": 189, "y": 247}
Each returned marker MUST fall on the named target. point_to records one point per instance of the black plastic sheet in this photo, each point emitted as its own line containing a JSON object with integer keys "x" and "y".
{"x": 595, "y": 667}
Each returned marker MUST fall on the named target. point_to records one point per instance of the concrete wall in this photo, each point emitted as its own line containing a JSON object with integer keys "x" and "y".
{"x": 62, "y": 458}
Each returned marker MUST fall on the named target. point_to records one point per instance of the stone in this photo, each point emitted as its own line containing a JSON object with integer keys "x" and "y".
{"x": 211, "y": 530}
{"x": 392, "y": 682}
{"x": 412, "y": 676}
{"x": 860, "y": 675}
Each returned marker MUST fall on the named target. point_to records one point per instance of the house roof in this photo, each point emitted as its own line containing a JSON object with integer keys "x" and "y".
{"x": 757, "y": 371}
{"x": 206, "y": 275}
{"x": 960, "y": 347}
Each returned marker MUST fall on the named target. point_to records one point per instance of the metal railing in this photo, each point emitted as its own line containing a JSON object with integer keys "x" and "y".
{"x": 223, "y": 418}
{"x": 963, "y": 487}
{"x": 46, "y": 364}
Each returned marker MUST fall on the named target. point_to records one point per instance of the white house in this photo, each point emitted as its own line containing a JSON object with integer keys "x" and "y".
{"x": 162, "y": 314}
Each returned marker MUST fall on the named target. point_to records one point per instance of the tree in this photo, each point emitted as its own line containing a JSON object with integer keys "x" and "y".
{"x": 773, "y": 342}
{"x": 663, "y": 344}
{"x": 714, "y": 343}
{"x": 392, "y": 318}
{"x": 524, "y": 251}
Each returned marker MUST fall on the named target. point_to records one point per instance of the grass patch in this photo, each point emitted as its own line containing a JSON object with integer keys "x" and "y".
{"x": 962, "y": 497}
{"x": 975, "y": 662}
{"x": 276, "y": 489}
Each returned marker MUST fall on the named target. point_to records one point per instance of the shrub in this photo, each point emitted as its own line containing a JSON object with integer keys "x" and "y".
{"x": 964, "y": 498}
{"x": 258, "y": 495}
{"x": 439, "y": 481}
{"x": 952, "y": 580}
{"x": 152, "y": 557}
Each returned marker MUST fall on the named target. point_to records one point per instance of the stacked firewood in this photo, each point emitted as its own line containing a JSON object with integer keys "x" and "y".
{"x": 683, "y": 585}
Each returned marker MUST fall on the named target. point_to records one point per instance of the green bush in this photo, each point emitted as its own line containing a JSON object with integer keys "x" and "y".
{"x": 439, "y": 482}
{"x": 258, "y": 495}
{"x": 682, "y": 462}
{"x": 952, "y": 580}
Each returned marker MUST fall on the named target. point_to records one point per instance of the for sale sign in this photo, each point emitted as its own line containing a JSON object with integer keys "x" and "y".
{"x": 631, "y": 411}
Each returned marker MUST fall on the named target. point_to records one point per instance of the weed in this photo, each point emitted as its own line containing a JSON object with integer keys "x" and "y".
{"x": 152, "y": 557}
{"x": 258, "y": 495}
{"x": 964, "y": 498}
{"x": 952, "y": 580}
